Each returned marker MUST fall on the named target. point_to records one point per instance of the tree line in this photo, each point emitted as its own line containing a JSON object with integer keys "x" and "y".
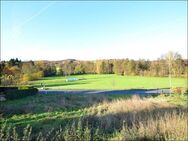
{"x": 15, "y": 71}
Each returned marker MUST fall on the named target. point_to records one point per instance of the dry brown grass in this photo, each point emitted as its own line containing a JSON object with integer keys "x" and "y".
{"x": 135, "y": 104}
{"x": 136, "y": 119}
{"x": 170, "y": 127}
{"x": 141, "y": 119}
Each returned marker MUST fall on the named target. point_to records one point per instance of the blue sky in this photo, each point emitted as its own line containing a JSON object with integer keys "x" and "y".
{"x": 89, "y": 30}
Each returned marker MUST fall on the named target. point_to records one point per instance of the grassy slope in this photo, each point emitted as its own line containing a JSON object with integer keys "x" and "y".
{"x": 54, "y": 103}
{"x": 44, "y": 112}
{"x": 109, "y": 82}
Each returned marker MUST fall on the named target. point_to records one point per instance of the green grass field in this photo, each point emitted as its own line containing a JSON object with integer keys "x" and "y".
{"x": 94, "y": 117}
{"x": 109, "y": 82}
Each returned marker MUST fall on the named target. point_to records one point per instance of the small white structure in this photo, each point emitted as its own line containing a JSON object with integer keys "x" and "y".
{"x": 71, "y": 79}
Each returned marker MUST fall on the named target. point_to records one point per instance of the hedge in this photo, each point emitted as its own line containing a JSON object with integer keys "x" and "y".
{"x": 3, "y": 89}
{"x": 19, "y": 92}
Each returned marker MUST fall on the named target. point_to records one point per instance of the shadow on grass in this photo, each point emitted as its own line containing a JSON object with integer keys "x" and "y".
{"x": 49, "y": 103}
{"x": 65, "y": 84}
{"x": 58, "y": 102}
{"x": 60, "y": 84}
{"x": 141, "y": 92}
{"x": 106, "y": 123}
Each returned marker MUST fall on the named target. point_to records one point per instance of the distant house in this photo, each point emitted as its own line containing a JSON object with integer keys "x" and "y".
{"x": 71, "y": 79}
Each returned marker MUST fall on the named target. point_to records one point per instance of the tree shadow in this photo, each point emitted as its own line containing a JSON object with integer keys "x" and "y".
{"x": 79, "y": 82}
{"x": 65, "y": 84}
{"x": 107, "y": 124}
{"x": 141, "y": 92}
{"x": 53, "y": 102}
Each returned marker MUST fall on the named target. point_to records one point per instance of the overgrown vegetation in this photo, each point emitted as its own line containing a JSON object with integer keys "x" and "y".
{"x": 19, "y": 93}
{"x": 10, "y": 93}
{"x": 94, "y": 117}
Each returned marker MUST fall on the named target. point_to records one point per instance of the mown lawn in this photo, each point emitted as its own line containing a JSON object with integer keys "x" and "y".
{"x": 94, "y": 117}
{"x": 109, "y": 82}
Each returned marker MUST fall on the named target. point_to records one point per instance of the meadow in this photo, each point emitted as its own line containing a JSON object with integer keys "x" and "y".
{"x": 97, "y": 117}
{"x": 93, "y": 71}
{"x": 108, "y": 82}
{"x": 94, "y": 117}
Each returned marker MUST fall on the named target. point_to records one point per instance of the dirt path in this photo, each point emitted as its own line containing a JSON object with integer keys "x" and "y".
{"x": 130, "y": 91}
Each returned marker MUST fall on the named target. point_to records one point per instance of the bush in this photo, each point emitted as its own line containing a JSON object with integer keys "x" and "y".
{"x": 20, "y": 93}
{"x": 37, "y": 75}
{"x": 32, "y": 76}
{"x": 24, "y": 87}
{"x": 26, "y": 77}
{"x": 179, "y": 90}
{"x": 7, "y": 80}
{"x": 3, "y": 89}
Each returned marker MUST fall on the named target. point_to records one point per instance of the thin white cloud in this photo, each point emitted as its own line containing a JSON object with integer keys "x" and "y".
{"x": 38, "y": 13}
{"x": 16, "y": 31}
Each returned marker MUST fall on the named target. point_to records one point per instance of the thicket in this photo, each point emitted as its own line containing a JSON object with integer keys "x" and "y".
{"x": 11, "y": 93}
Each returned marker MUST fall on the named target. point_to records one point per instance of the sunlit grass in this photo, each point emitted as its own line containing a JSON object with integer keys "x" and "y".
{"x": 108, "y": 82}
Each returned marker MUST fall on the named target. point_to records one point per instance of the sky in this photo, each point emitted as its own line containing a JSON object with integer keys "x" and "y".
{"x": 90, "y": 30}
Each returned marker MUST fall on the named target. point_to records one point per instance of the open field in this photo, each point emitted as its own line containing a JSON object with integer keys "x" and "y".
{"x": 94, "y": 117}
{"x": 109, "y": 82}
{"x": 93, "y": 70}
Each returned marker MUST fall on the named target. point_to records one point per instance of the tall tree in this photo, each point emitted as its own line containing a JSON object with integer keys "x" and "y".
{"x": 171, "y": 59}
